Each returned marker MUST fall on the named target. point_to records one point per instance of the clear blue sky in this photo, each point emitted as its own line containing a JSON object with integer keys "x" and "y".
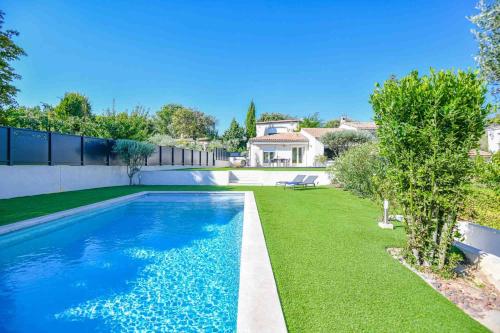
{"x": 296, "y": 57}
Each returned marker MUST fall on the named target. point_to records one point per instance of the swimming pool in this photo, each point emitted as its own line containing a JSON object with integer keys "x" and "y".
{"x": 159, "y": 262}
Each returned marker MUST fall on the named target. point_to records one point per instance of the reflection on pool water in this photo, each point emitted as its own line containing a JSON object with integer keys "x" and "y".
{"x": 162, "y": 262}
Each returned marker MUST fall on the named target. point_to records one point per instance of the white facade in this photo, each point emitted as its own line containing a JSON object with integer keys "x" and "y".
{"x": 277, "y": 126}
{"x": 262, "y": 152}
{"x": 278, "y": 143}
{"x": 493, "y": 133}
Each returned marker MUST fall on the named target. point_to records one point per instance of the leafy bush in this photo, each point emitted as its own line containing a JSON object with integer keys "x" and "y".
{"x": 481, "y": 206}
{"x": 360, "y": 170}
{"x": 426, "y": 127}
{"x": 487, "y": 173}
{"x": 134, "y": 154}
{"x": 340, "y": 141}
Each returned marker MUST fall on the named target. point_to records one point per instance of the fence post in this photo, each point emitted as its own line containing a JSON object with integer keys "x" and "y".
{"x": 192, "y": 155}
{"x": 182, "y": 156}
{"x": 9, "y": 145}
{"x": 173, "y": 156}
{"x": 107, "y": 152}
{"x": 160, "y": 154}
{"x": 50, "y": 149}
{"x": 82, "y": 150}
{"x": 213, "y": 158}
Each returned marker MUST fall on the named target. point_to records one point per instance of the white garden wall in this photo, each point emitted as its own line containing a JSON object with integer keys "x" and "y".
{"x": 481, "y": 245}
{"x": 254, "y": 177}
{"x": 23, "y": 180}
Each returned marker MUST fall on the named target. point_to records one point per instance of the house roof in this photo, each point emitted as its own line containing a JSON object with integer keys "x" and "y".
{"x": 319, "y": 132}
{"x": 281, "y": 137}
{"x": 279, "y": 121}
{"x": 362, "y": 125}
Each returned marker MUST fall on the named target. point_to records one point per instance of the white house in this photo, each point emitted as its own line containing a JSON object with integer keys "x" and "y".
{"x": 493, "y": 133}
{"x": 280, "y": 143}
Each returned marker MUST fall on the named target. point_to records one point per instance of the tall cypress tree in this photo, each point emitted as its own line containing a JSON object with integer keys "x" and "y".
{"x": 251, "y": 130}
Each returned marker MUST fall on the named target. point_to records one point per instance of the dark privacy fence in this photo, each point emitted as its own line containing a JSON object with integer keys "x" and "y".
{"x": 25, "y": 146}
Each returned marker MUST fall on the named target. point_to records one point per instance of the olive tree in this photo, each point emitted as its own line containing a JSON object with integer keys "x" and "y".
{"x": 134, "y": 154}
{"x": 339, "y": 141}
{"x": 426, "y": 127}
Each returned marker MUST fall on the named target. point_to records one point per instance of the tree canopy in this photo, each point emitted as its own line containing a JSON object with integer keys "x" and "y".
{"x": 163, "y": 118}
{"x": 9, "y": 51}
{"x": 75, "y": 105}
{"x": 234, "y": 137}
{"x": 338, "y": 142}
{"x": 487, "y": 35}
{"x": 193, "y": 124}
{"x": 334, "y": 123}
{"x": 250, "y": 122}
{"x": 311, "y": 121}
{"x": 426, "y": 127}
{"x": 269, "y": 116}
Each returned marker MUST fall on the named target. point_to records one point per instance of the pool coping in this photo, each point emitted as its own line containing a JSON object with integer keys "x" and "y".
{"x": 259, "y": 307}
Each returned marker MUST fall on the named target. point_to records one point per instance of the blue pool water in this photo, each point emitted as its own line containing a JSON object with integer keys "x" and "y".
{"x": 162, "y": 262}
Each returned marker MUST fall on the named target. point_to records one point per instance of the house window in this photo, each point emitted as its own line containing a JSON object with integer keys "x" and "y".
{"x": 268, "y": 156}
{"x": 297, "y": 153}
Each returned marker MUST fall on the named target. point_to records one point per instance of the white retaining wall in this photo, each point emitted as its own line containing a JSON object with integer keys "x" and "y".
{"x": 225, "y": 177}
{"x": 481, "y": 245}
{"x": 23, "y": 180}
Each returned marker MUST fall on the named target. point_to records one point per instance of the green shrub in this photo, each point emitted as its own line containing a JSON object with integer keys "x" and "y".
{"x": 340, "y": 141}
{"x": 360, "y": 170}
{"x": 426, "y": 125}
{"x": 134, "y": 154}
{"x": 487, "y": 173}
{"x": 481, "y": 206}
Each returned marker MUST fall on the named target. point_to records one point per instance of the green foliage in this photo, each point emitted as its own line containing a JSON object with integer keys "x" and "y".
{"x": 135, "y": 125}
{"x": 311, "y": 121}
{"x": 487, "y": 173}
{"x": 481, "y": 206}
{"x": 9, "y": 52}
{"x": 360, "y": 170}
{"x": 250, "y": 123}
{"x": 73, "y": 105}
{"x": 340, "y": 141}
{"x": 334, "y": 123}
{"x": 134, "y": 154}
{"x": 190, "y": 123}
{"x": 234, "y": 137}
{"x": 27, "y": 117}
{"x": 163, "y": 119}
{"x": 269, "y": 116}
{"x": 426, "y": 127}
{"x": 162, "y": 140}
{"x": 488, "y": 38}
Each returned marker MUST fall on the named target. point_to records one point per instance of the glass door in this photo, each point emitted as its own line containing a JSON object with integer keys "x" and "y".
{"x": 297, "y": 155}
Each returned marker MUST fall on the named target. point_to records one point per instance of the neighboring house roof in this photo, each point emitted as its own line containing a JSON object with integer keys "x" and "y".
{"x": 279, "y": 121}
{"x": 362, "y": 125}
{"x": 319, "y": 132}
{"x": 281, "y": 137}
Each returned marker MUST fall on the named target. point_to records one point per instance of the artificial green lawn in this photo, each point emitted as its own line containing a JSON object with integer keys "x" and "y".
{"x": 328, "y": 256}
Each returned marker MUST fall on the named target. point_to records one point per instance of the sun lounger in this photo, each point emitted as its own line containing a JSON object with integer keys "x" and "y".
{"x": 297, "y": 179}
{"x": 310, "y": 180}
